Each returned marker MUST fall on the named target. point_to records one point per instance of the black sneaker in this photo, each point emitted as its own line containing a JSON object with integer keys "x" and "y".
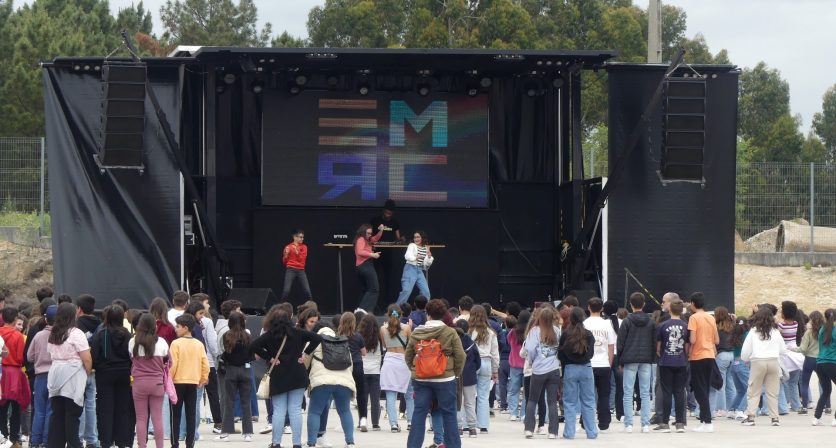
{"x": 802, "y": 411}
{"x": 656, "y": 420}
{"x": 680, "y": 427}
{"x": 662, "y": 427}
{"x": 483, "y": 430}
{"x": 827, "y": 411}
{"x": 748, "y": 421}
{"x": 775, "y": 422}
{"x": 396, "y": 428}
{"x": 472, "y": 433}
{"x": 375, "y": 427}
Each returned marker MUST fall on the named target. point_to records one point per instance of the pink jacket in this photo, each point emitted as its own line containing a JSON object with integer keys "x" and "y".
{"x": 363, "y": 249}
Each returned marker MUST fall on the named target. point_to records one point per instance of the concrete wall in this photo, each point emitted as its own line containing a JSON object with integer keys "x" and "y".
{"x": 25, "y": 236}
{"x": 786, "y": 258}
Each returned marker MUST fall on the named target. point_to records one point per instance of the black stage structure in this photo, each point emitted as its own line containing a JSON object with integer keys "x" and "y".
{"x": 480, "y": 148}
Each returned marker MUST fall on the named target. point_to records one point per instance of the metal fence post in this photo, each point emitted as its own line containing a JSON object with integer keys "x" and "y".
{"x": 43, "y": 175}
{"x": 812, "y": 208}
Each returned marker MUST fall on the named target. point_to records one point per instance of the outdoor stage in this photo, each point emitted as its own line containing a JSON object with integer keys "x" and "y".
{"x": 482, "y": 149}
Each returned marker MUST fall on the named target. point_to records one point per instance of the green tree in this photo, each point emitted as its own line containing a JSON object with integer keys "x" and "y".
{"x": 507, "y": 25}
{"x": 813, "y": 150}
{"x": 134, "y": 19}
{"x": 782, "y": 142}
{"x": 213, "y": 22}
{"x": 285, "y": 40}
{"x": 824, "y": 122}
{"x": 763, "y": 98}
{"x": 41, "y": 31}
{"x": 357, "y": 23}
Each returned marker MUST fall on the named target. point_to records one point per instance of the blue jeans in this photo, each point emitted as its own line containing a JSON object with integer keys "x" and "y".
{"x": 717, "y": 398}
{"x": 88, "y": 431}
{"x": 444, "y": 394}
{"x": 483, "y": 390}
{"x": 515, "y": 382}
{"x": 739, "y": 375}
{"x": 631, "y": 371}
{"x": 791, "y": 392}
{"x": 392, "y": 405}
{"x": 320, "y": 397}
{"x": 43, "y": 410}
{"x": 284, "y": 404}
{"x": 438, "y": 427}
{"x": 412, "y": 276}
{"x": 579, "y": 395}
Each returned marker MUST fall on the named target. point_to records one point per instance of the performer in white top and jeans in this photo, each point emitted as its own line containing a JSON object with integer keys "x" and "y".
{"x": 418, "y": 258}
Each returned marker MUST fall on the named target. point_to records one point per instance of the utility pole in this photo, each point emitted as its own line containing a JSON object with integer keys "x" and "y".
{"x": 654, "y": 32}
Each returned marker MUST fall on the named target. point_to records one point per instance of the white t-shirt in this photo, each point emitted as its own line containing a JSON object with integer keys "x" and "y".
{"x": 160, "y": 349}
{"x": 604, "y": 336}
{"x": 174, "y": 313}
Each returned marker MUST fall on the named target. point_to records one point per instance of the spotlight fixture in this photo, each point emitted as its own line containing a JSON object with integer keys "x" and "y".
{"x": 363, "y": 89}
{"x": 557, "y": 83}
{"x": 294, "y": 90}
{"x": 301, "y": 80}
{"x": 485, "y": 82}
{"x": 257, "y": 87}
{"x": 472, "y": 91}
{"x": 229, "y": 78}
{"x": 533, "y": 87}
{"x": 423, "y": 89}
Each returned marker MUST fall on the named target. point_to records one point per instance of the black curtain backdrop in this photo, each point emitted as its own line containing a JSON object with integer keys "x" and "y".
{"x": 523, "y": 143}
{"x": 678, "y": 237}
{"x": 116, "y": 234}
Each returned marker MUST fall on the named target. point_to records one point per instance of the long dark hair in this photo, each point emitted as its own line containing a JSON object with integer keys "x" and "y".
{"x": 237, "y": 333}
{"x": 522, "y": 323}
{"x": 423, "y": 235}
{"x": 816, "y": 323}
{"x": 145, "y": 336}
{"x": 763, "y": 322}
{"x": 114, "y": 319}
{"x": 64, "y": 322}
{"x": 575, "y": 331}
{"x": 361, "y": 231}
{"x": 723, "y": 319}
{"x": 280, "y": 325}
{"x": 830, "y": 316}
{"x": 740, "y": 328}
{"x": 159, "y": 309}
{"x": 393, "y": 312}
{"x": 370, "y": 331}
{"x": 305, "y": 315}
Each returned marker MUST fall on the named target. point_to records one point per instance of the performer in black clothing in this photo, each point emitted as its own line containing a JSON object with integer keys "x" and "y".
{"x": 383, "y": 265}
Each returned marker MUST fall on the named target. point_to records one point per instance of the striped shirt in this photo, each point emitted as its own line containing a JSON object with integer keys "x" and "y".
{"x": 789, "y": 331}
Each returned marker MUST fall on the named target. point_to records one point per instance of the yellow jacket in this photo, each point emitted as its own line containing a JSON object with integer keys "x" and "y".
{"x": 189, "y": 364}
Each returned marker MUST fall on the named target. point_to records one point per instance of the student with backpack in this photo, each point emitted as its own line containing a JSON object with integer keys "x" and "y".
{"x": 330, "y": 371}
{"x": 419, "y": 316}
{"x": 435, "y": 357}
{"x": 472, "y": 363}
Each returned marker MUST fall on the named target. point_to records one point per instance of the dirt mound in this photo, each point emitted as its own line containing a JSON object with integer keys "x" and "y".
{"x": 23, "y": 270}
{"x": 812, "y": 289}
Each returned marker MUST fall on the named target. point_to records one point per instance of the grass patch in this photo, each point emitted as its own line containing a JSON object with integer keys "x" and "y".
{"x": 25, "y": 220}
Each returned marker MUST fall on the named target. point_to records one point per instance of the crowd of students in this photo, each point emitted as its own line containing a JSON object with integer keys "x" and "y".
{"x": 72, "y": 379}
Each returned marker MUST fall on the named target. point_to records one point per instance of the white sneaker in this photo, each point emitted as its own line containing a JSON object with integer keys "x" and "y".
{"x": 529, "y": 435}
{"x": 833, "y": 423}
{"x": 222, "y": 438}
{"x": 514, "y": 418}
{"x": 552, "y": 436}
{"x": 645, "y": 429}
{"x": 287, "y": 430}
{"x": 267, "y": 429}
{"x": 322, "y": 442}
{"x": 248, "y": 437}
{"x": 704, "y": 427}
{"x": 817, "y": 422}
{"x": 730, "y": 414}
{"x": 23, "y": 438}
{"x": 740, "y": 415}
{"x": 363, "y": 425}
{"x": 627, "y": 429}
{"x": 350, "y": 445}
{"x": 541, "y": 431}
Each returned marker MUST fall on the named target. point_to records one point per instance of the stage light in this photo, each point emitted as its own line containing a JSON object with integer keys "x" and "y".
{"x": 97, "y": 68}
{"x": 86, "y": 67}
{"x": 257, "y": 87}
{"x": 229, "y": 78}
{"x": 531, "y": 91}
{"x": 363, "y": 89}
{"x": 294, "y": 90}
{"x": 423, "y": 90}
{"x": 557, "y": 83}
{"x": 472, "y": 92}
{"x": 76, "y": 67}
{"x": 301, "y": 80}
{"x": 485, "y": 82}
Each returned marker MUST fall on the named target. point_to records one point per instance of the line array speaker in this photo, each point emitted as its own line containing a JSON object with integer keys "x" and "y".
{"x": 122, "y": 115}
{"x": 684, "y": 129}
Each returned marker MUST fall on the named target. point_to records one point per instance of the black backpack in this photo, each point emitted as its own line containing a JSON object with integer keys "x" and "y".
{"x": 335, "y": 353}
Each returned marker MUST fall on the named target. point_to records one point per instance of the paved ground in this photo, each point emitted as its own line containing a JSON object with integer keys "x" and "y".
{"x": 794, "y": 430}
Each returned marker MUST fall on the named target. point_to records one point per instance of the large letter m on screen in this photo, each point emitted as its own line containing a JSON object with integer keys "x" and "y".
{"x": 400, "y": 113}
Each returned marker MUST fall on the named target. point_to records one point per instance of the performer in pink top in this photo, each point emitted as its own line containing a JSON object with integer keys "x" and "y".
{"x": 364, "y": 253}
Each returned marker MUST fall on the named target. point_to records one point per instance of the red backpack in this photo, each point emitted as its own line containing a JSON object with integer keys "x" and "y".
{"x": 430, "y": 360}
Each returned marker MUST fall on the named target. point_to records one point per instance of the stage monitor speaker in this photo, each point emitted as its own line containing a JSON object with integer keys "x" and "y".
{"x": 122, "y": 115}
{"x": 254, "y": 300}
{"x": 684, "y": 129}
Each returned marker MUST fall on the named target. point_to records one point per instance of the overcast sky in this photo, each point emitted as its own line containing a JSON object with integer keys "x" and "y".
{"x": 798, "y": 37}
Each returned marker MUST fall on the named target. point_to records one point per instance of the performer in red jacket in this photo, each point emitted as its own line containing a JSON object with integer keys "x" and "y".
{"x": 293, "y": 258}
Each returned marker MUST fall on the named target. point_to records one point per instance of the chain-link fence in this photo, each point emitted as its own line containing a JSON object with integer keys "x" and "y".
{"x": 24, "y": 199}
{"x": 786, "y": 207}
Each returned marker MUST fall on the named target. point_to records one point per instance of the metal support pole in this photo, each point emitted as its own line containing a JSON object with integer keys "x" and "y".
{"x": 812, "y": 208}
{"x": 43, "y": 175}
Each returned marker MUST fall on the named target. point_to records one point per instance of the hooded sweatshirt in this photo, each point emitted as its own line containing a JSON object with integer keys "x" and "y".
{"x": 636, "y": 341}
{"x": 472, "y": 363}
{"x": 451, "y": 345}
{"x": 543, "y": 357}
{"x": 88, "y": 324}
{"x": 110, "y": 351}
